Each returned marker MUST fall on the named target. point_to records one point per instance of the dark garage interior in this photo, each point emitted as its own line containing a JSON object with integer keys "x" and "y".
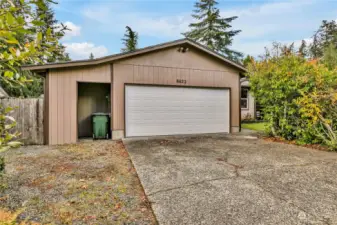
{"x": 92, "y": 98}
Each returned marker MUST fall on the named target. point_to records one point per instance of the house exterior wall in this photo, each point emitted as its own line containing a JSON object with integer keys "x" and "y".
{"x": 247, "y": 114}
{"x": 164, "y": 68}
{"x": 62, "y": 99}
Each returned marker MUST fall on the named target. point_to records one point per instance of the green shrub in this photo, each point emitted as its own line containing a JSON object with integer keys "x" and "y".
{"x": 298, "y": 98}
{"x": 7, "y": 135}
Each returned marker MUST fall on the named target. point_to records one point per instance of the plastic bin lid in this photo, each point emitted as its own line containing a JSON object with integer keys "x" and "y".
{"x": 100, "y": 114}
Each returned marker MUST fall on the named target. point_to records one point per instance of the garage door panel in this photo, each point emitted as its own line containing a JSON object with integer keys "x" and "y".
{"x": 154, "y": 110}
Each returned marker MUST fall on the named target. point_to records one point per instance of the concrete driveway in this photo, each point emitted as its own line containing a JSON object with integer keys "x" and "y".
{"x": 223, "y": 179}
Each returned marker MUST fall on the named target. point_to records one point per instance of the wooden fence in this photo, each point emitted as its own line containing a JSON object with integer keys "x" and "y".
{"x": 28, "y": 114}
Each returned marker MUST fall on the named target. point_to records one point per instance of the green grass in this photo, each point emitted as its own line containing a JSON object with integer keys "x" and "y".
{"x": 254, "y": 126}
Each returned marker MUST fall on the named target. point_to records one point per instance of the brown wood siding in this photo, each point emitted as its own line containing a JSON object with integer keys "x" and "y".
{"x": 164, "y": 68}
{"x": 170, "y": 57}
{"x": 62, "y": 99}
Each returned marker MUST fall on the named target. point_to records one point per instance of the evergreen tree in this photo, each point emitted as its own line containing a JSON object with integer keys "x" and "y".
{"x": 130, "y": 40}
{"x": 302, "y": 50}
{"x": 246, "y": 61}
{"x": 52, "y": 25}
{"x": 327, "y": 33}
{"x": 91, "y": 56}
{"x": 66, "y": 57}
{"x": 315, "y": 49}
{"x": 212, "y": 30}
{"x": 324, "y": 37}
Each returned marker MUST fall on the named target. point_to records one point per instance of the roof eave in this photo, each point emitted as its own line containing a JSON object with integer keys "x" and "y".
{"x": 112, "y": 58}
{"x": 105, "y": 59}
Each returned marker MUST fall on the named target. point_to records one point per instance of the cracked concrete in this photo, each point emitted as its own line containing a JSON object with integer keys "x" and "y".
{"x": 229, "y": 179}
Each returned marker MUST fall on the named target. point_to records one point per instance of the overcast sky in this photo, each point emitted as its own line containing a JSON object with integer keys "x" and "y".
{"x": 97, "y": 26}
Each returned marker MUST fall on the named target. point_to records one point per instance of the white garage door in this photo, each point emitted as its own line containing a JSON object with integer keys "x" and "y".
{"x": 152, "y": 110}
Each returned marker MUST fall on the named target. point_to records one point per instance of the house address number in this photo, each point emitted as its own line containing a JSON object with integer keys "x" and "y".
{"x": 181, "y": 81}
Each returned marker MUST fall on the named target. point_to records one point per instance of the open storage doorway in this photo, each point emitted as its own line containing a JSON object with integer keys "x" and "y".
{"x": 92, "y": 98}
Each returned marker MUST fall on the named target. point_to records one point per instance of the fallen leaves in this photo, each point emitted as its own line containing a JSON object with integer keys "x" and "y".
{"x": 10, "y": 218}
{"x": 280, "y": 140}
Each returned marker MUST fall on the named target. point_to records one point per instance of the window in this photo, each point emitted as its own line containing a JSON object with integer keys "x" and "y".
{"x": 244, "y": 98}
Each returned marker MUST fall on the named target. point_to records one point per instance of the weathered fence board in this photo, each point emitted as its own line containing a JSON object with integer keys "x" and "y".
{"x": 28, "y": 114}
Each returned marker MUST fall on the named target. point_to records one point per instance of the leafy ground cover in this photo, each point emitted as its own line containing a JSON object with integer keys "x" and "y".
{"x": 85, "y": 183}
{"x": 254, "y": 126}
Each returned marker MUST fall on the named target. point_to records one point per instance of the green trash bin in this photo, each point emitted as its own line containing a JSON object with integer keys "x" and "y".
{"x": 100, "y": 125}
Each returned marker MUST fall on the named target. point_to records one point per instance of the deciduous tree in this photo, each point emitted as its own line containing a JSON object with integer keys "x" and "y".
{"x": 330, "y": 56}
{"x": 17, "y": 21}
{"x": 37, "y": 22}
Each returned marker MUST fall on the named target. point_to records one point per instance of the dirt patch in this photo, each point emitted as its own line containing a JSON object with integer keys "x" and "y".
{"x": 312, "y": 146}
{"x": 86, "y": 183}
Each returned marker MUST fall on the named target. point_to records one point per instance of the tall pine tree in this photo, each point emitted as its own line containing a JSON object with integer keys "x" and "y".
{"x": 315, "y": 49}
{"x": 212, "y": 30}
{"x": 51, "y": 24}
{"x": 324, "y": 38}
{"x": 130, "y": 40}
{"x": 302, "y": 50}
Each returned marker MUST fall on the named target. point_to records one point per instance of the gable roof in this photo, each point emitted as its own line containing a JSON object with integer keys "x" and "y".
{"x": 118, "y": 56}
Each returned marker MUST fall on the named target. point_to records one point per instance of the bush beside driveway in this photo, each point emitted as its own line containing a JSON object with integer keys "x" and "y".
{"x": 227, "y": 179}
{"x": 86, "y": 183}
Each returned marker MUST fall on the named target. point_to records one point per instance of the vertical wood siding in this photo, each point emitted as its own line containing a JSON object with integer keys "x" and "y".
{"x": 28, "y": 114}
{"x": 164, "y": 68}
{"x": 62, "y": 98}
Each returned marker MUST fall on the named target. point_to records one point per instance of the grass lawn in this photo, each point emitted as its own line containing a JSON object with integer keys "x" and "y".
{"x": 254, "y": 126}
{"x": 85, "y": 183}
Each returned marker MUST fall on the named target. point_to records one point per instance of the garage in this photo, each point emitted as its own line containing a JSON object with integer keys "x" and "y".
{"x": 158, "y": 110}
{"x": 172, "y": 88}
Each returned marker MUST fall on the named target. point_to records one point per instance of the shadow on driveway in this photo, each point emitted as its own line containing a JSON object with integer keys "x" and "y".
{"x": 227, "y": 179}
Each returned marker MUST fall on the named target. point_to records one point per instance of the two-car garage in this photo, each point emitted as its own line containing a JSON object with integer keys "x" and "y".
{"x": 160, "y": 110}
